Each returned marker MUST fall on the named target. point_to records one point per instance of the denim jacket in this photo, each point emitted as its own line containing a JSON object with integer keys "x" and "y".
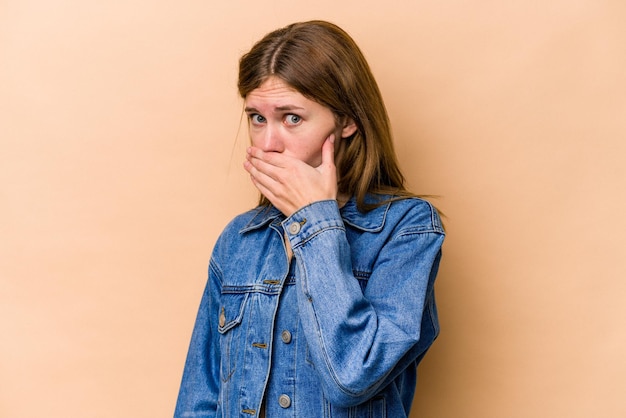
{"x": 337, "y": 331}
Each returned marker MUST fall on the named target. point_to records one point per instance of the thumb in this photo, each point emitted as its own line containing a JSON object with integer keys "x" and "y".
{"x": 328, "y": 151}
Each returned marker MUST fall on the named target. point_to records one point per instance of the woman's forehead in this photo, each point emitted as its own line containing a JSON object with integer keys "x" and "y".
{"x": 278, "y": 93}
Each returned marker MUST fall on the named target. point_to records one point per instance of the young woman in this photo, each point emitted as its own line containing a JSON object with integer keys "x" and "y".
{"x": 320, "y": 301}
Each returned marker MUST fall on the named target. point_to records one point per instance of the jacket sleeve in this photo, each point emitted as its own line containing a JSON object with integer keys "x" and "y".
{"x": 199, "y": 389}
{"x": 361, "y": 340}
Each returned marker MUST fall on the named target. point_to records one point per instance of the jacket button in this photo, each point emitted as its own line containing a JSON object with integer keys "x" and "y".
{"x": 222, "y": 320}
{"x": 286, "y": 336}
{"x": 284, "y": 401}
{"x": 294, "y": 228}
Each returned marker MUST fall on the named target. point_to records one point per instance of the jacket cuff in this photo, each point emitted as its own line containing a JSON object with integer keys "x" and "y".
{"x": 312, "y": 219}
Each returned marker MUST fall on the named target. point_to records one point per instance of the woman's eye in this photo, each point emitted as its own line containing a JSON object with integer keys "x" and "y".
{"x": 257, "y": 119}
{"x": 293, "y": 119}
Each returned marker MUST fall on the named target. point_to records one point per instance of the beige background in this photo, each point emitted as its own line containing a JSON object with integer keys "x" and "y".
{"x": 120, "y": 162}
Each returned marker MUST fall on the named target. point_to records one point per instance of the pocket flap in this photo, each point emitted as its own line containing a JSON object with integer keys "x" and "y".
{"x": 231, "y": 311}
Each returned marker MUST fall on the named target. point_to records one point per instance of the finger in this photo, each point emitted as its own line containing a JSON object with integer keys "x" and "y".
{"x": 272, "y": 158}
{"x": 271, "y": 189}
{"x": 328, "y": 151}
{"x": 261, "y": 188}
{"x": 260, "y": 172}
{"x": 257, "y": 162}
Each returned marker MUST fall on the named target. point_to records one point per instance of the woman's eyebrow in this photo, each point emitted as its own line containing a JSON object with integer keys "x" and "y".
{"x": 288, "y": 107}
{"x": 277, "y": 108}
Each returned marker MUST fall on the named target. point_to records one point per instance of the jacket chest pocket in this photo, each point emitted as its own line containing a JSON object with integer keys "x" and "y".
{"x": 231, "y": 314}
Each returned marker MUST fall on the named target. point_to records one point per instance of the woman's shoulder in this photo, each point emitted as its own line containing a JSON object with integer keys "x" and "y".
{"x": 233, "y": 233}
{"x": 415, "y": 212}
{"x": 251, "y": 219}
{"x": 393, "y": 212}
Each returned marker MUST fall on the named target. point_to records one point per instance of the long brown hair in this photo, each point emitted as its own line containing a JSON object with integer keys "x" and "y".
{"x": 323, "y": 63}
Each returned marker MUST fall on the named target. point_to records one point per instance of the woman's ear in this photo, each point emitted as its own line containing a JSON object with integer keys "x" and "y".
{"x": 349, "y": 128}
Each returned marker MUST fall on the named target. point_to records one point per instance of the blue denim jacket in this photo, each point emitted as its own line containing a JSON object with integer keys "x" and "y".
{"x": 338, "y": 331}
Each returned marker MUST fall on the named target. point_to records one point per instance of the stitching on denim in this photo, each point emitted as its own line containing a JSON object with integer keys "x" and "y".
{"x": 365, "y": 275}
{"x": 416, "y": 230}
{"x": 308, "y": 238}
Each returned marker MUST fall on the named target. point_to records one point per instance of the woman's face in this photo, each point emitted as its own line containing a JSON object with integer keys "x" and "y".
{"x": 280, "y": 119}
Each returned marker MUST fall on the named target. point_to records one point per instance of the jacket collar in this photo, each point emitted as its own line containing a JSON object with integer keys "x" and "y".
{"x": 372, "y": 221}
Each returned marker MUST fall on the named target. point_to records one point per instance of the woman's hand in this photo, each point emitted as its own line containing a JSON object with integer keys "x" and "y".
{"x": 290, "y": 184}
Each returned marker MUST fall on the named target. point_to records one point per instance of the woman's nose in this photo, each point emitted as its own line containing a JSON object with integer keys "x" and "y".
{"x": 271, "y": 140}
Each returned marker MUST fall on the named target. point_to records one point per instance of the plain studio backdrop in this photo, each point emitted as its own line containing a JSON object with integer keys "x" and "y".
{"x": 121, "y": 155}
